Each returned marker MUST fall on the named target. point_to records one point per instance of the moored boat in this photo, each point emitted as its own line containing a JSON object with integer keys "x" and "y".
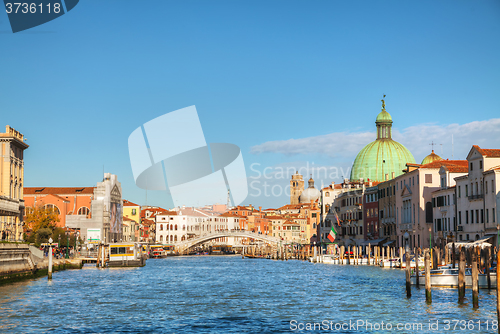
{"x": 447, "y": 277}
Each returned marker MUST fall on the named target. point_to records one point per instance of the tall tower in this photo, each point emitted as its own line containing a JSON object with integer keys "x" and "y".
{"x": 296, "y": 187}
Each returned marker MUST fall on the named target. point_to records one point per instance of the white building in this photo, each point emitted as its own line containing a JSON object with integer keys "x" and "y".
{"x": 478, "y": 196}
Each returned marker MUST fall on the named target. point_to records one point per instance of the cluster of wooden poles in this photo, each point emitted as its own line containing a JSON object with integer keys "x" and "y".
{"x": 277, "y": 252}
{"x": 473, "y": 257}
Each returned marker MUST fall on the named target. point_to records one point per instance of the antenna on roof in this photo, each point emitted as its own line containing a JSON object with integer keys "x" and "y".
{"x": 452, "y": 146}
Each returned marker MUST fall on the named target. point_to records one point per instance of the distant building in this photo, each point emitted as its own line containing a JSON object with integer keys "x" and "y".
{"x": 296, "y": 188}
{"x": 96, "y": 212}
{"x": 66, "y": 201}
{"x": 131, "y": 221}
{"x": 478, "y": 195}
{"x": 11, "y": 184}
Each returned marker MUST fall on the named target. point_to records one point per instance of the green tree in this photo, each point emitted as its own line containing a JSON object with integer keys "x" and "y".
{"x": 42, "y": 217}
{"x": 42, "y": 236}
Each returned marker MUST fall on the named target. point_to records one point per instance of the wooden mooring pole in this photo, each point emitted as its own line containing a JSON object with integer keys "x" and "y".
{"x": 498, "y": 289}
{"x": 488, "y": 264}
{"x": 416, "y": 269}
{"x": 408, "y": 276}
{"x": 428, "y": 290}
{"x": 461, "y": 276}
{"x": 475, "y": 285}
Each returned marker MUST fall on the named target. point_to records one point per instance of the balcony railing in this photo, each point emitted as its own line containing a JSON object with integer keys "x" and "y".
{"x": 474, "y": 197}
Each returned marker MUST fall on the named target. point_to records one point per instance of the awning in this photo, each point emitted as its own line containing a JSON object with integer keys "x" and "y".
{"x": 482, "y": 243}
{"x": 375, "y": 242}
{"x": 389, "y": 243}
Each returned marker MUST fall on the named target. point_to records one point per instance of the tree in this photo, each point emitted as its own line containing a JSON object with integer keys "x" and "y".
{"x": 41, "y": 217}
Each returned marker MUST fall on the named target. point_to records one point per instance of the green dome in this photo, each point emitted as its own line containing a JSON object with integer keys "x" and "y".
{"x": 380, "y": 158}
{"x": 384, "y": 117}
{"x": 383, "y": 158}
{"x": 431, "y": 158}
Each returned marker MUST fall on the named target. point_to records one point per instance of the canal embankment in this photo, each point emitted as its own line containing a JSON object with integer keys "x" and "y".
{"x": 20, "y": 261}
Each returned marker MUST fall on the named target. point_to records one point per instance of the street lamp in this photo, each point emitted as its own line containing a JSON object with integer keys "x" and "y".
{"x": 67, "y": 247}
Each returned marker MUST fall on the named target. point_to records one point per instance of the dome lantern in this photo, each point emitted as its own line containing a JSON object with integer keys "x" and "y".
{"x": 384, "y": 158}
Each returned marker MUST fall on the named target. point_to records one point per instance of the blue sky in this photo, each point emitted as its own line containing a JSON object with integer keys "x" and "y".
{"x": 258, "y": 72}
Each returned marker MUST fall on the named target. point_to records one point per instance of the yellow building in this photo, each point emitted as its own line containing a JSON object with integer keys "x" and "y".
{"x": 131, "y": 221}
{"x": 11, "y": 184}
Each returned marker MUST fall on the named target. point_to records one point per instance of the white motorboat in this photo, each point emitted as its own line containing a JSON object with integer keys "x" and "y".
{"x": 447, "y": 277}
{"x": 390, "y": 263}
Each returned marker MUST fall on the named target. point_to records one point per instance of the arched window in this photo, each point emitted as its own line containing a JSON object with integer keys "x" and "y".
{"x": 183, "y": 227}
{"x": 52, "y": 207}
{"x": 171, "y": 238}
{"x": 175, "y": 238}
{"x": 183, "y": 238}
{"x": 327, "y": 194}
{"x": 171, "y": 227}
{"x": 161, "y": 238}
{"x": 176, "y": 227}
{"x": 84, "y": 211}
{"x": 161, "y": 227}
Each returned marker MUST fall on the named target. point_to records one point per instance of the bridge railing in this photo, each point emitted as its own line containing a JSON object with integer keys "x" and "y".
{"x": 227, "y": 233}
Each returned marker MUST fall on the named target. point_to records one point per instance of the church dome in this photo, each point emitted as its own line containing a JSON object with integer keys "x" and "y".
{"x": 431, "y": 158}
{"x": 384, "y": 116}
{"x": 383, "y": 158}
{"x": 309, "y": 194}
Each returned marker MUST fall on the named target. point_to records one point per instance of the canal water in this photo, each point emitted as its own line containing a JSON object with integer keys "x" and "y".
{"x": 227, "y": 294}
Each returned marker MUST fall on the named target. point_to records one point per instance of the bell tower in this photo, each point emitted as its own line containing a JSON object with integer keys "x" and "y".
{"x": 296, "y": 187}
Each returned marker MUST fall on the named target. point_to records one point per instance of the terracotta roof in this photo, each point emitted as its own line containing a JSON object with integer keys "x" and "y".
{"x": 457, "y": 169}
{"x": 446, "y": 163}
{"x": 289, "y": 222}
{"x": 58, "y": 190}
{"x": 128, "y": 203}
{"x": 229, "y": 214}
{"x": 494, "y": 153}
{"x": 127, "y": 219}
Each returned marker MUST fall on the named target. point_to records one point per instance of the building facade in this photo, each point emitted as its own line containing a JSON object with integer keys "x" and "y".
{"x": 11, "y": 185}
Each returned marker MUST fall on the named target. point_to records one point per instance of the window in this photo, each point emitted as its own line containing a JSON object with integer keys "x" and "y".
{"x": 161, "y": 238}
{"x": 459, "y": 217}
{"x": 472, "y": 216}
{"x": 466, "y": 191}
{"x": 459, "y": 191}
{"x": 471, "y": 165}
{"x": 134, "y": 212}
{"x": 84, "y": 211}
{"x": 487, "y": 216}
{"x": 52, "y": 207}
{"x": 493, "y": 212}
{"x": 480, "y": 164}
{"x": 428, "y": 178}
{"x": 161, "y": 227}
{"x": 466, "y": 217}
{"x": 486, "y": 187}
{"x": 467, "y": 237}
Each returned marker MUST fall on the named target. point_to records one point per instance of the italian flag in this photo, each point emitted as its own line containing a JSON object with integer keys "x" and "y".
{"x": 332, "y": 235}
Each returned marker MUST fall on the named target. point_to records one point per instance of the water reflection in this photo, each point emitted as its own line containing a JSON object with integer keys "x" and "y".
{"x": 223, "y": 294}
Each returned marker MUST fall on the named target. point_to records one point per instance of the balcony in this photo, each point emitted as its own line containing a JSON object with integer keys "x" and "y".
{"x": 475, "y": 197}
{"x": 406, "y": 227}
{"x": 9, "y": 206}
{"x": 460, "y": 228}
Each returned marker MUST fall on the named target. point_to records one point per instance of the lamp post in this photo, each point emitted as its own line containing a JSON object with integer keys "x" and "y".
{"x": 67, "y": 244}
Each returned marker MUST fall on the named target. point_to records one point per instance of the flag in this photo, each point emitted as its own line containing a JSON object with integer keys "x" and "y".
{"x": 337, "y": 217}
{"x": 332, "y": 235}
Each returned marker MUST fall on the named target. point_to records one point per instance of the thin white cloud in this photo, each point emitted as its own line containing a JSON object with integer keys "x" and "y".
{"x": 416, "y": 138}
